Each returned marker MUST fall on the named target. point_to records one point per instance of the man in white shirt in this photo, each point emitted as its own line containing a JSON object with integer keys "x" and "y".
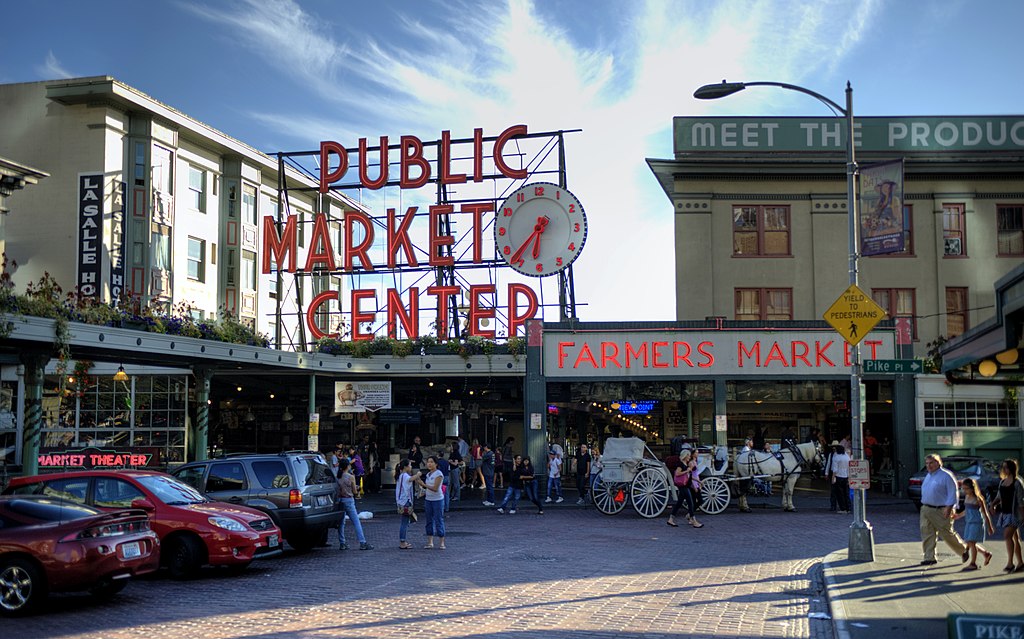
{"x": 938, "y": 503}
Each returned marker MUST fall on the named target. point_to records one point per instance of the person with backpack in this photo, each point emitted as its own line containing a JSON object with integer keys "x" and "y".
{"x": 554, "y": 476}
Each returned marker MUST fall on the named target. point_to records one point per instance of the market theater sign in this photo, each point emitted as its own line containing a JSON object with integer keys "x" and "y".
{"x": 704, "y": 353}
{"x": 414, "y": 170}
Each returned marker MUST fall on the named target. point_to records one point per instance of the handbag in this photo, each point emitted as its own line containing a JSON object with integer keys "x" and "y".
{"x": 681, "y": 481}
{"x": 408, "y": 511}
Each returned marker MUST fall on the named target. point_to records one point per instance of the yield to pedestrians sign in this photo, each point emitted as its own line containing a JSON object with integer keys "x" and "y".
{"x": 854, "y": 314}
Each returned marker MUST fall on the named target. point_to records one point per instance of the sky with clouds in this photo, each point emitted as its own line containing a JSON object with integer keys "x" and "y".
{"x": 285, "y": 74}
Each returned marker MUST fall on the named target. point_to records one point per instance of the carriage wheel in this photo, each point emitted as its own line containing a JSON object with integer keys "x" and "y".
{"x": 609, "y": 497}
{"x": 714, "y": 495}
{"x": 649, "y": 492}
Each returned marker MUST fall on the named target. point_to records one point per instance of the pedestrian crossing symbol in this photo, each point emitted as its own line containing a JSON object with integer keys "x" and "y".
{"x": 854, "y": 314}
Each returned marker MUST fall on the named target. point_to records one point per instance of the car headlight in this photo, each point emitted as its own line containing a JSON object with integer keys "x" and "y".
{"x": 227, "y": 523}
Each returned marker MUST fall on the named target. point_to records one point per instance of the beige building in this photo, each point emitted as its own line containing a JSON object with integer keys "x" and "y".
{"x": 761, "y": 217}
{"x": 146, "y": 200}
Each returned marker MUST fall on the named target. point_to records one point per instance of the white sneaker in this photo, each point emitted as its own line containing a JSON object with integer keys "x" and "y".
{"x": 547, "y": 500}
{"x": 511, "y": 512}
{"x": 580, "y": 502}
{"x": 501, "y": 511}
{"x": 488, "y": 503}
{"x": 559, "y": 500}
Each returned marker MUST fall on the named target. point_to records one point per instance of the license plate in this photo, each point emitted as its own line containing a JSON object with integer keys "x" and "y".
{"x": 323, "y": 500}
{"x": 131, "y": 551}
{"x": 272, "y": 541}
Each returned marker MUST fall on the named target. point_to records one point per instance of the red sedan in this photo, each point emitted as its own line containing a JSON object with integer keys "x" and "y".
{"x": 193, "y": 530}
{"x": 51, "y": 545}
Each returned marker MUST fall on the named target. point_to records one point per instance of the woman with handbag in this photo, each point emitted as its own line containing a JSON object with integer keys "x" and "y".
{"x": 682, "y": 475}
{"x": 404, "y": 493}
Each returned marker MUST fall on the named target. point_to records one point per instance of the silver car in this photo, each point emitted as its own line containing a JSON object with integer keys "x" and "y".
{"x": 983, "y": 471}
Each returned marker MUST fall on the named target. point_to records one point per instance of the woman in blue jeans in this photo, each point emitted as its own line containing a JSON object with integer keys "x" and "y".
{"x": 434, "y": 502}
{"x": 529, "y": 480}
{"x": 404, "y": 496}
{"x": 347, "y": 489}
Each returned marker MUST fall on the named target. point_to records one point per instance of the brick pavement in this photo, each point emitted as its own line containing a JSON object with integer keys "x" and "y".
{"x": 569, "y": 573}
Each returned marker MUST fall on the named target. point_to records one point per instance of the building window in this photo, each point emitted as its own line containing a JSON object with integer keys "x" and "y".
{"x": 1010, "y": 229}
{"x": 760, "y": 230}
{"x": 764, "y": 304}
{"x": 249, "y": 270}
{"x": 196, "y": 259}
{"x": 898, "y": 302}
{"x": 249, "y": 205}
{"x": 970, "y": 415}
{"x": 956, "y": 311}
{"x": 954, "y": 230}
{"x": 197, "y": 188}
{"x": 140, "y": 164}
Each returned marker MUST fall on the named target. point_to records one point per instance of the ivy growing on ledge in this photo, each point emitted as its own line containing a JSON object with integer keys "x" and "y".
{"x": 47, "y": 299}
{"x": 425, "y": 345}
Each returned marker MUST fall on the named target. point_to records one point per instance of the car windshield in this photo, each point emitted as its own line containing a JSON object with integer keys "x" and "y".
{"x": 962, "y": 466}
{"x": 171, "y": 491}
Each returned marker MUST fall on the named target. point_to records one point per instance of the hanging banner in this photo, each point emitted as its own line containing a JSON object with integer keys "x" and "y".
{"x": 882, "y": 223}
{"x": 359, "y": 397}
{"x": 116, "y": 249}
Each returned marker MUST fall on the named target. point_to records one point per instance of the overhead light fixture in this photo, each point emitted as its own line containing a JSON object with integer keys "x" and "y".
{"x": 271, "y": 396}
{"x": 988, "y": 368}
{"x": 430, "y": 384}
{"x": 286, "y": 416}
{"x": 238, "y": 388}
{"x": 1007, "y": 358}
{"x": 120, "y": 375}
{"x": 448, "y": 390}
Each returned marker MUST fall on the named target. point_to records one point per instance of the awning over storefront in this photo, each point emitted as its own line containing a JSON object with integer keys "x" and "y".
{"x": 990, "y": 352}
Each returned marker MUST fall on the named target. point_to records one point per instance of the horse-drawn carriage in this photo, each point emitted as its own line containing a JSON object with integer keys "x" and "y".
{"x": 631, "y": 472}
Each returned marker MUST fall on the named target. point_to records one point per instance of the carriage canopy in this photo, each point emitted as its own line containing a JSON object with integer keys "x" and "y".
{"x": 623, "y": 448}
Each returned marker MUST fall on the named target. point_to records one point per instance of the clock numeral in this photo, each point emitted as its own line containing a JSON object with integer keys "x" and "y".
{"x": 572, "y": 208}
{"x": 507, "y": 250}
{"x": 558, "y": 261}
{"x": 501, "y": 231}
{"x": 540, "y": 267}
{"x": 538, "y": 190}
{"x": 520, "y": 197}
{"x": 507, "y": 211}
{"x": 558, "y": 195}
{"x": 572, "y": 246}
{"x": 519, "y": 263}
{"x": 575, "y": 227}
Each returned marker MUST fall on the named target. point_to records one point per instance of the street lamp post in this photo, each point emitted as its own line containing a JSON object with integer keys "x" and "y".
{"x": 861, "y": 546}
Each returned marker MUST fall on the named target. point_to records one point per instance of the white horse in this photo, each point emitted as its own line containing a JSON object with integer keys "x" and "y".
{"x": 769, "y": 466}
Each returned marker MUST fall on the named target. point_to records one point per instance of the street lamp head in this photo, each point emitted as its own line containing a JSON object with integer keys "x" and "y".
{"x": 715, "y": 91}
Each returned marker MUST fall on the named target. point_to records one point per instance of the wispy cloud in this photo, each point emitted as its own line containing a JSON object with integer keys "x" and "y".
{"x": 51, "y": 68}
{"x": 458, "y": 66}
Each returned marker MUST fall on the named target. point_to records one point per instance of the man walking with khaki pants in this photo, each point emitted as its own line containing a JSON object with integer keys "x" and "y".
{"x": 938, "y": 502}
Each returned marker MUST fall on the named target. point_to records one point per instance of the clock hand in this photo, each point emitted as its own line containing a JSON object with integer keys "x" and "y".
{"x": 517, "y": 256}
{"x": 538, "y": 230}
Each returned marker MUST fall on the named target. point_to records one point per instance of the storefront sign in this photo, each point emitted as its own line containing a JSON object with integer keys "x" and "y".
{"x": 705, "y": 353}
{"x": 359, "y": 397}
{"x": 362, "y": 251}
{"x": 116, "y": 249}
{"x": 94, "y": 458}
{"x": 90, "y": 233}
{"x": 897, "y": 135}
{"x": 984, "y": 627}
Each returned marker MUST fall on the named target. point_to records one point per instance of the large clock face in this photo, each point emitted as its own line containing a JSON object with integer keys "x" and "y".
{"x": 540, "y": 229}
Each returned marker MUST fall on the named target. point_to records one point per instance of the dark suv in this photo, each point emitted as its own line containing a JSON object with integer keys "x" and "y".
{"x": 296, "y": 489}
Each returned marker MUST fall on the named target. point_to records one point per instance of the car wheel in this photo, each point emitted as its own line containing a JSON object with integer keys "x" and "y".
{"x": 109, "y": 588}
{"x": 184, "y": 557}
{"x": 22, "y": 586}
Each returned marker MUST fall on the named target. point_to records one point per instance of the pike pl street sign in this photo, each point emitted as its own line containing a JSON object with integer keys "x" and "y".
{"x": 854, "y": 314}
{"x": 894, "y": 366}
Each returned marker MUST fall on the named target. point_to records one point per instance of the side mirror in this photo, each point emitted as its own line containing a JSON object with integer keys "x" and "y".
{"x": 143, "y": 504}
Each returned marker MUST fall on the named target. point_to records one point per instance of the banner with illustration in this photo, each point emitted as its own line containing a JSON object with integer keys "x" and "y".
{"x": 882, "y": 221}
{"x": 359, "y": 397}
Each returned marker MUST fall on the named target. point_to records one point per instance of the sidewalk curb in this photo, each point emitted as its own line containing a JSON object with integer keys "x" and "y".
{"x": 840, "y": 618}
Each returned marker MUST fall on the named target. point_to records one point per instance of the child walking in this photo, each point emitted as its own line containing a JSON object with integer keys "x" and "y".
{"x": 976, "y": 522}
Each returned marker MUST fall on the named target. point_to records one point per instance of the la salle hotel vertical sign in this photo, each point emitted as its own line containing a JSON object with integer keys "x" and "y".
{"x": 90, "y": 234}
